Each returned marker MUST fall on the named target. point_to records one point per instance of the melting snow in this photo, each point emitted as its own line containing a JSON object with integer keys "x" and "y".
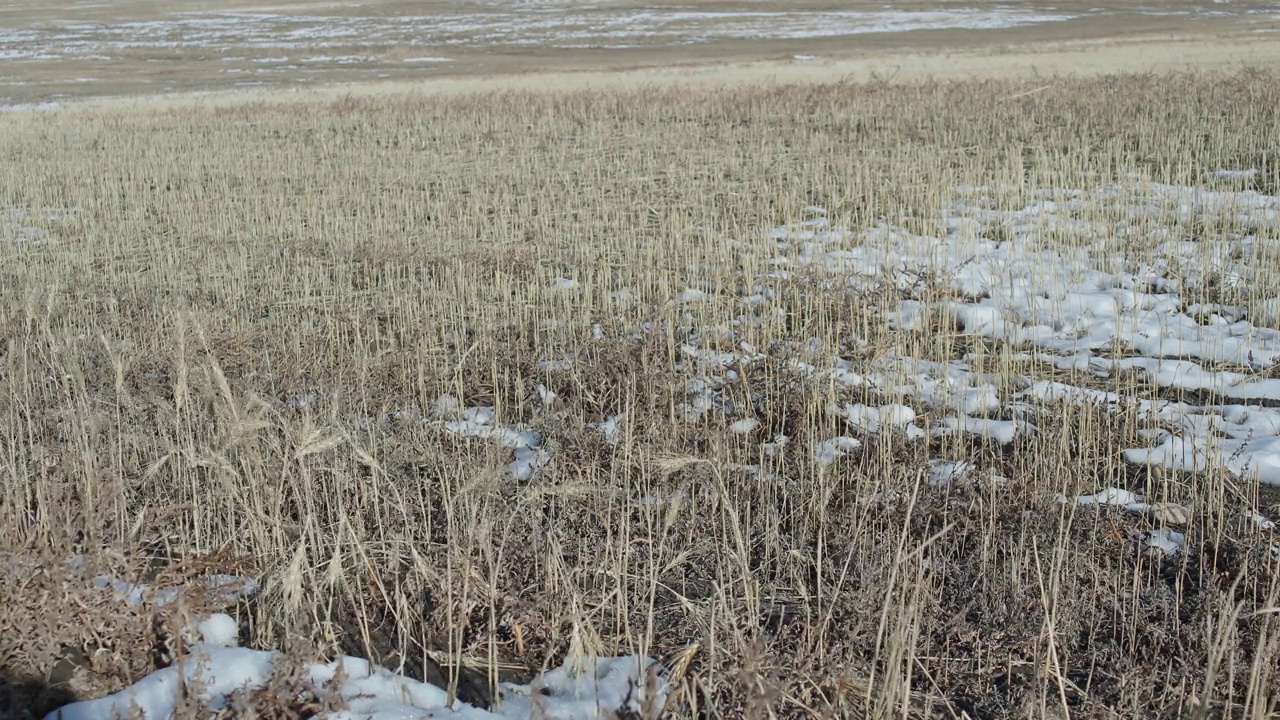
{"x": 826, "y": 452}
{"x": 942, "y": 472}
{"x": 478, "y": 422}
{"x": 1109, "y": 496}
{"x": 1166, "y": 541}
{"x": 1072, "y": 276}
{"x": 219, "y": 629}
{"x": 611, "y": 428}
{"x": 588, "y": 689}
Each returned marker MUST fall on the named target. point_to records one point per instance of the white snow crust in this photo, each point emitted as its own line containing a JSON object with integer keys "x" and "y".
{"x": 1060, "y": 286}
{"x": 586, "y": 689}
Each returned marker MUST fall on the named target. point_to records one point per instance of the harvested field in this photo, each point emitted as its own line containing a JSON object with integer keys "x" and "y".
{"x": 922, "y": 399}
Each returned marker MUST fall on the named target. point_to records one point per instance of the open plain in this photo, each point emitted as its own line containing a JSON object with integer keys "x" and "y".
{"x": 564, "y": 360}
{"x": 131, "y": 48}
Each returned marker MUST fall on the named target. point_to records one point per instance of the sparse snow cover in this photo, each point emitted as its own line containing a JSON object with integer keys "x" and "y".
{"x": 514, "y": 25}
{"x": 583, "y": 688}
{"x": 1000, "y": 431}
{"x": 944, "y": 472}
{"x": 1235, "y": 174}
{"x": 526, "y": 446}
{"x": 588, "y": 689}
{"x": 1110, "y": 496}
{"x": 874, "y": 419}
{"x": 1166, "y": 540}
{"x": 1104, "y": 302}
{"x": 610, "y": 428}
{"x": 827, "y": 451}
{"x": 224, "y": 588}
{"x": 1066, "y": 280}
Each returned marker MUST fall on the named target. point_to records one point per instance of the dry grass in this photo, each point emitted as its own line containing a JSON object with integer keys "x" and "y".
{"x": 366, "y": 257}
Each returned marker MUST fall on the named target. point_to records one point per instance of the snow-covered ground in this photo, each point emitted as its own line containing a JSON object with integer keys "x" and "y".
{"x": 292, "y": 32}
{"x": 215, "y": 667}
{"x": 1103, "y": 287}
{"x": 1117, "y": 298}
{"x": 513, "y": 24}
{"x": 1099, "y": 285}
{"x": 1134, "y": 291}
{"x": 585, "y": 689}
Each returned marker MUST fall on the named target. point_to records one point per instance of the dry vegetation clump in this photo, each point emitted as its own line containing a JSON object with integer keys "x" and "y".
{"x": 83, "y": 625}
{"x": 227, "y": 333}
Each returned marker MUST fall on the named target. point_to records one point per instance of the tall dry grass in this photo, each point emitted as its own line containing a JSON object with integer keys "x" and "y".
{"x": 228, "y": 345}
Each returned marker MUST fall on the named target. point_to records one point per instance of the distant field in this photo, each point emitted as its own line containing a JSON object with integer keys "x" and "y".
{"x": 106, "y": 49}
